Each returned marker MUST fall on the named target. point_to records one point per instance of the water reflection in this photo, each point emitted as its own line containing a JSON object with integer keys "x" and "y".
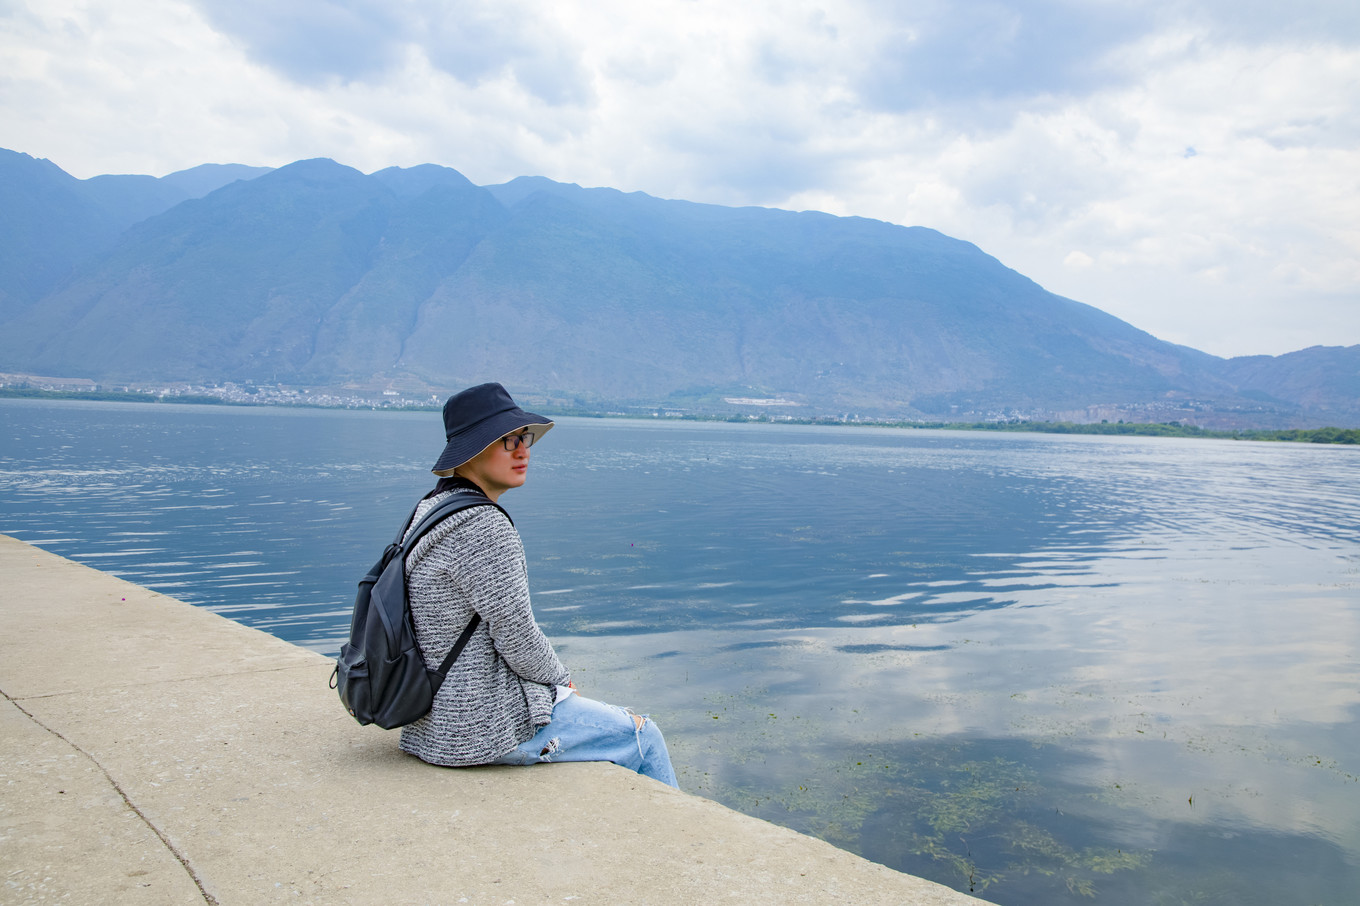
{"x": 971, "y": 755}
{"x": 1048, "y": 668}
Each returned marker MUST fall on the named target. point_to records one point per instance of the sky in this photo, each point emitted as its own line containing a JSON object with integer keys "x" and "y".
{"x": 1191, "y": 167}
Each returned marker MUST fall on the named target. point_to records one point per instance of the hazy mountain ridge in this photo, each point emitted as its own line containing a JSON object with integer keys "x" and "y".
{"x": 52, "y": 223}
{"x": 316, "y": 274}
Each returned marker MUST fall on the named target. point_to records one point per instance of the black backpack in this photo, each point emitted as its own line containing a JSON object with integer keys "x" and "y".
{"x": 380, "y": 673}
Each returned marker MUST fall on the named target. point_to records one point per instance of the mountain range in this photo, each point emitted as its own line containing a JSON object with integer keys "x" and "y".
{"x": 317, "y": 275}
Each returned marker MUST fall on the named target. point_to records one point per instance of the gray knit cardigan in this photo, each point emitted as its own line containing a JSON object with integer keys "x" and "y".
{"x": 502, "y": 687}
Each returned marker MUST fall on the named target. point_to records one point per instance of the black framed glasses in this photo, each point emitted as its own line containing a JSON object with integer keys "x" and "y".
{"x": 512, "y": 441}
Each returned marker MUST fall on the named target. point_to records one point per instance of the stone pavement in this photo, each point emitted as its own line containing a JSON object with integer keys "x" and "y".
{"x": 152, "y": 752}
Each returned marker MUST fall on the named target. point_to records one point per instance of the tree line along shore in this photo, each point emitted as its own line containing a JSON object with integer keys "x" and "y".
{"x": 1325, "y": 435}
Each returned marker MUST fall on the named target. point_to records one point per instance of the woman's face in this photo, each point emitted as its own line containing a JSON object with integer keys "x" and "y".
{"x": 496, "y": 470}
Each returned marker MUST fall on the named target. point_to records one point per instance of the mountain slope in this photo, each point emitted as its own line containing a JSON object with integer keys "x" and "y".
{"x": 52, "y": 223}
{"x": 848, "y": 311}
{"x": 48, "y": 225}
{"x": 318, "y": 275}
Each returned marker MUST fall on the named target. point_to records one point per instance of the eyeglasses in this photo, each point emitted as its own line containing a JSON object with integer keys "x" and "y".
{"x": 512, "y": 441}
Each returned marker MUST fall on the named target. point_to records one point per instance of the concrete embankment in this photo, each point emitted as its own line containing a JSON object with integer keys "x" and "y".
{"x": 152, "y": 752}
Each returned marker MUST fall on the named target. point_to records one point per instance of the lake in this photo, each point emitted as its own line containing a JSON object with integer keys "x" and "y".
{"x": 1047, "y": 669}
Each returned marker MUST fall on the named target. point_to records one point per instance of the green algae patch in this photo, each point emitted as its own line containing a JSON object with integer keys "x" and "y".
{"x": 953, "y": 812}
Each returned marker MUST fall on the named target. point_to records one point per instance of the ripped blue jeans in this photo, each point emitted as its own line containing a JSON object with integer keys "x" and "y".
{"x": 586, "y": 730}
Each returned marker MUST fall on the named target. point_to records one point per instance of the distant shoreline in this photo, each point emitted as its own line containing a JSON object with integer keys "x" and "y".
{"x": 1326, "y": 435}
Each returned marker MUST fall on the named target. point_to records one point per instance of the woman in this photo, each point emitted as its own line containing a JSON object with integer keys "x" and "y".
{"x": 507, "y": 699}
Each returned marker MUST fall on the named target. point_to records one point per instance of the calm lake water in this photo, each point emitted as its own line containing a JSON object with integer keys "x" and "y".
{"x": 1046, "y": 669}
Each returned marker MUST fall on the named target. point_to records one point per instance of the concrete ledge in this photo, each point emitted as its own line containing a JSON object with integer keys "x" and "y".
{"x": 152, "y": 752}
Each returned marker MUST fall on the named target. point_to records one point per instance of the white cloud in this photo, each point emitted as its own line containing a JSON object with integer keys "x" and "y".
{"x": 1187, "y": 167}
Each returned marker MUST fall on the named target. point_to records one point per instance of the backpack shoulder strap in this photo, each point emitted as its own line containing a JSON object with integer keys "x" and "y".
{"x": 460, "y": 499}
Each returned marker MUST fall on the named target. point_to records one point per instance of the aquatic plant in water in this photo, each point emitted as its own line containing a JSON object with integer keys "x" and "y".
{"x": 942, "y": 810}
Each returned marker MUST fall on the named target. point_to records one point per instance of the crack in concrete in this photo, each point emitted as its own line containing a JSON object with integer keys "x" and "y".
{"x": 122, "y": 794}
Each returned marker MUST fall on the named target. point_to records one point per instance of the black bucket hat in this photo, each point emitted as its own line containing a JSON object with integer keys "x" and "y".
{"x": 476, "y": 418}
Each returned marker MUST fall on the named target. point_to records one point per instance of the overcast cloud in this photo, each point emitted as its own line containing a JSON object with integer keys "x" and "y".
{"x": 1191, "y": 167}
